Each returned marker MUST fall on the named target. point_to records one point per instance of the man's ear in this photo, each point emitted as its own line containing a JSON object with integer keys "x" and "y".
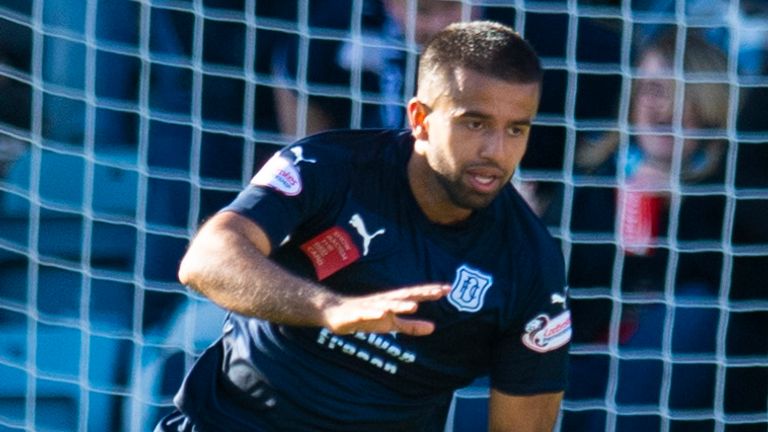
{"x": 417, "y": 114}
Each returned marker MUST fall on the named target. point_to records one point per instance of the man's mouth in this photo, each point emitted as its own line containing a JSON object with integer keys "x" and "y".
{"x": 483, "y": 181}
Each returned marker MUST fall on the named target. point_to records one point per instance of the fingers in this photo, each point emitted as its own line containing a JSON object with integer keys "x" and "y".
{"x": 419, "y": 293}
{"x": 399, "y": 306}
{"x": 379, "y": 313}
{"x": 389, "y": 323}
{"x": 392, "y": 323}
{"x": 413, "y": 327}
{"x": 406, "y": 300}
{"x": 380, "y": 308}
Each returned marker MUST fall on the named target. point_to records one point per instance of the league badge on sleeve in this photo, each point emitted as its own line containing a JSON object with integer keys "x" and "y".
{"x": 280, "y": 174}
{"x": 543, "y": 334}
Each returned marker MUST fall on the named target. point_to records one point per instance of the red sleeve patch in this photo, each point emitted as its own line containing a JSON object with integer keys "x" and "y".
{"x": 331, "y": 251}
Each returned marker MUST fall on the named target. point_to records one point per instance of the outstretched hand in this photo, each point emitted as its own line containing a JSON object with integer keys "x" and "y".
{"x": 380, "y": 313}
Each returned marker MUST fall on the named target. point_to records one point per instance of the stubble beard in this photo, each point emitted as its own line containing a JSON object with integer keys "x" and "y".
{"x": 460, "y": 195}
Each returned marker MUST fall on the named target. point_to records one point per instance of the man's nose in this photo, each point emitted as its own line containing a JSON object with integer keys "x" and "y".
{"x": 663, "y": 116}
{"x": 494, "y": 145}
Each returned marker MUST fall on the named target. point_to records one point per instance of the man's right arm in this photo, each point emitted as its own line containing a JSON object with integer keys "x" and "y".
{"x": 228, "y": 262}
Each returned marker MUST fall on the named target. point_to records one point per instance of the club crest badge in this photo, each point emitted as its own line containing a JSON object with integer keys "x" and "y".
{"x": 469, "y": 289}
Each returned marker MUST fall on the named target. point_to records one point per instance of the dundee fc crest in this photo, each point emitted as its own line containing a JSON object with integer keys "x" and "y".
{"x": 468, "y": 290}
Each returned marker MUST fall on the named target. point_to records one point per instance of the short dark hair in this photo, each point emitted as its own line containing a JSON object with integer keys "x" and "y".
{"x": 487, "y": 47}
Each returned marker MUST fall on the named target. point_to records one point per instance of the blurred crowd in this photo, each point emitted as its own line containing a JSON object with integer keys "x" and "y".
{"x": 649, "y": 160}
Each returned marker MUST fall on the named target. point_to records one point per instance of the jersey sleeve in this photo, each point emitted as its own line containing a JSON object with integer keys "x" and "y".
{"x": 532, "y": 354}
{"x": 296, "y": 185}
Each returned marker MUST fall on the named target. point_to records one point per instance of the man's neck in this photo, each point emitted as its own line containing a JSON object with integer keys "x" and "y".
{"x": 430, "y": 195}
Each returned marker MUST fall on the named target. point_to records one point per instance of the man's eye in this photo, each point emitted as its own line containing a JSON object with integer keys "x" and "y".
{"x": 515, "y": 131}
{"x": 475, "y": 125}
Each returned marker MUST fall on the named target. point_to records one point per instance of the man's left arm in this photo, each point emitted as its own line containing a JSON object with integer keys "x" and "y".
{"x": 529, "y": 413}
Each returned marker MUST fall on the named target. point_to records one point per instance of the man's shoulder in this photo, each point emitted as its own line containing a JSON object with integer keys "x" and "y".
{"x": 528, "y": 229}
{"x": 354, "y": 145}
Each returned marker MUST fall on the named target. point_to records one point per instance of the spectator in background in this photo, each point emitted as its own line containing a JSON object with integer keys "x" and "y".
{"x": 65, "y": 71}
{"x": 15, "y": 104}
{"x": 382, "y": 54}
{"x": 14, "y": 113}
{"x": 723, "y": 21}
{"x": 653, "y": 116}
{"x": 658, "y": 231}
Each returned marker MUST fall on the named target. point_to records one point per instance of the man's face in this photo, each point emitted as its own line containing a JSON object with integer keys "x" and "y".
{"x": 654, "y": 108}
{"x": 476, "y": 134}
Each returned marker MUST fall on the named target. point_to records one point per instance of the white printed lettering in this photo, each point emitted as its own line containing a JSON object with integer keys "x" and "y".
{"x": 331, "y": 342}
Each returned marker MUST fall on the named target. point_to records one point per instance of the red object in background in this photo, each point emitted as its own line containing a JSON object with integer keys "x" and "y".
{"x": 640, "y": 213}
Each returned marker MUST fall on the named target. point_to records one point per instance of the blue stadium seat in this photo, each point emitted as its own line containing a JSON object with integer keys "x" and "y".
{"x": 56, "y": 377}
{"x": 55, "y": 371}
{"x": 62, "y": 183}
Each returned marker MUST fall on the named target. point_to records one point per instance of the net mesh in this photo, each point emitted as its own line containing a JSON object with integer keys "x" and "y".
{"x": 124, "y": 126}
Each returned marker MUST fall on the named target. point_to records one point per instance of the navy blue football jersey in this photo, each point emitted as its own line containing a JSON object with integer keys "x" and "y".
{"x": 338, "y": 209}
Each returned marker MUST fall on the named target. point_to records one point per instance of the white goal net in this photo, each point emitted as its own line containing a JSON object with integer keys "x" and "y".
{"x": 124, "y": 124}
